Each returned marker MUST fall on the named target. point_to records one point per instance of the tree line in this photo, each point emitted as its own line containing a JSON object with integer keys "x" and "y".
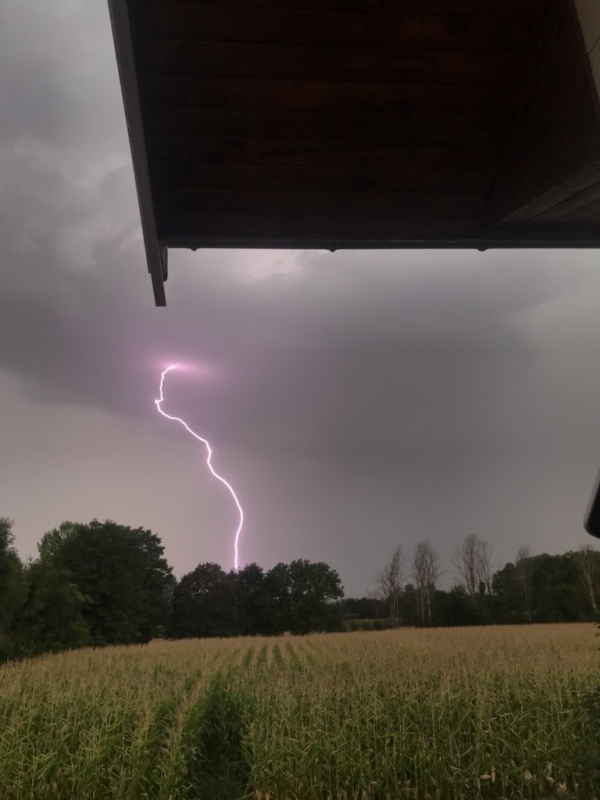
{"x": 107, "y": 584}
{"x": 102, "y": 584}
{"x": 531, "y": 589}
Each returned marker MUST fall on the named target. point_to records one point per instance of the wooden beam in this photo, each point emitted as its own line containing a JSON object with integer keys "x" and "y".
{"x": 165, "y": 91}
{"x": 420, "y": 238}
{"x": 554, "y": 150}
{"x": 156, "y": 252}
{"x": 269, "y": 177}
{"x": 183, "y": 152}
{"x": 276, "y": 229}
{"x": 366, "y": 127}
{"x": 575, "y": 203}
{"x": 199, "y": 22}
{"x": 483, "y": 8}
{"x": 584, "y": 217}
{"x": 321, "y": 203}
{"x": 212, "y": 59}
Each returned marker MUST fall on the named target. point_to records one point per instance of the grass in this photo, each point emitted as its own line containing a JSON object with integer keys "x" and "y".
{"x": 463, "y": 713}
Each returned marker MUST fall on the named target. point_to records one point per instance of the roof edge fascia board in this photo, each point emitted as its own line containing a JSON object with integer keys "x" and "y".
{"x": 156, "y": 251}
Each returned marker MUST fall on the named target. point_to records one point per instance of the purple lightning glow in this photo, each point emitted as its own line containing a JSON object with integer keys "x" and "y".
{"x": 208, "y": 458}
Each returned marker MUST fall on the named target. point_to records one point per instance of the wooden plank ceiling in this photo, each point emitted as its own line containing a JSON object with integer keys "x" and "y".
{"x": 330, "y": 123}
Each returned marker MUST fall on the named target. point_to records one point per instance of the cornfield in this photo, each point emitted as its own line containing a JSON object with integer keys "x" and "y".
{"x": 463, "y": 713}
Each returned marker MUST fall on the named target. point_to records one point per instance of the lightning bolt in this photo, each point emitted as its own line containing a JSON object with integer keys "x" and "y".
{"x": 208, "y": 458}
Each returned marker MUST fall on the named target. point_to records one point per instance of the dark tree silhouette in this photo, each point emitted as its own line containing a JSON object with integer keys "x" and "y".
{"x": 203, "y": 604}
{"x": 121, "y": 573}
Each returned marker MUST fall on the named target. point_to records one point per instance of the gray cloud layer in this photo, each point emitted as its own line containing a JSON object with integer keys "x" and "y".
{"x": 382, "y": 369}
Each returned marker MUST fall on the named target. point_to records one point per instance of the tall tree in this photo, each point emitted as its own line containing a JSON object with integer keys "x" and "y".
{"x": 204, "y": 604}
{"x": 458, "y": 608}
{"x": 484, "y": 558}
{"x": 276, "y": 612}
{"x": 315, "y": 588}
{"x": 508, "y": 596}
{"x": 466, "y": 563}
{"x": 588, "y": 564}
{"x": 523, "y": 574}
{"x": 425, "y": 572}
{"x": 542, "y": 588}
{"x": 301, "y": 597}
{"x": 472, "y": 562}
{"x": 555, "y": 595}
{"x": 53, "y": 615}
{"x": 122, "y": 574}
{"x": 12, "y": 590}
{"x": 363, "y": 608}
{"x": 389, "y": 580}
{"x": 249, "y": 592}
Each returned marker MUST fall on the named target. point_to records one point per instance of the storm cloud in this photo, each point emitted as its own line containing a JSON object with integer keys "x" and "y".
{"x": 359, "y": 399}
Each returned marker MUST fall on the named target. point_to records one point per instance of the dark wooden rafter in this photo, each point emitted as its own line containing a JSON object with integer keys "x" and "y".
{"x": 156, "y": 251}
{"x": 167, "y": 90}
{"x": 348, "y": 179}
{"x": 185, "y": 152}
{"x": 551, "y": 170}
{"x": 393, "y": 128}
{"x": 289, "y": 27}
{"x": 359, "y": 123}
{"x": 525, "y": 9}
{"x": 343, "y": 64}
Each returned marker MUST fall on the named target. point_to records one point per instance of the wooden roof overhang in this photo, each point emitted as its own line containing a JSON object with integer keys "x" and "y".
{"x": 359, "y": 124}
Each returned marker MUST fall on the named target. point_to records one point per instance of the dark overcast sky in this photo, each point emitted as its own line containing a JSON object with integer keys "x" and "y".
{"x": 355, "y": 400}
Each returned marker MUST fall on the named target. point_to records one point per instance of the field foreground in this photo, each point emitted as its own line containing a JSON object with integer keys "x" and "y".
{"x": 463, "y": 713}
